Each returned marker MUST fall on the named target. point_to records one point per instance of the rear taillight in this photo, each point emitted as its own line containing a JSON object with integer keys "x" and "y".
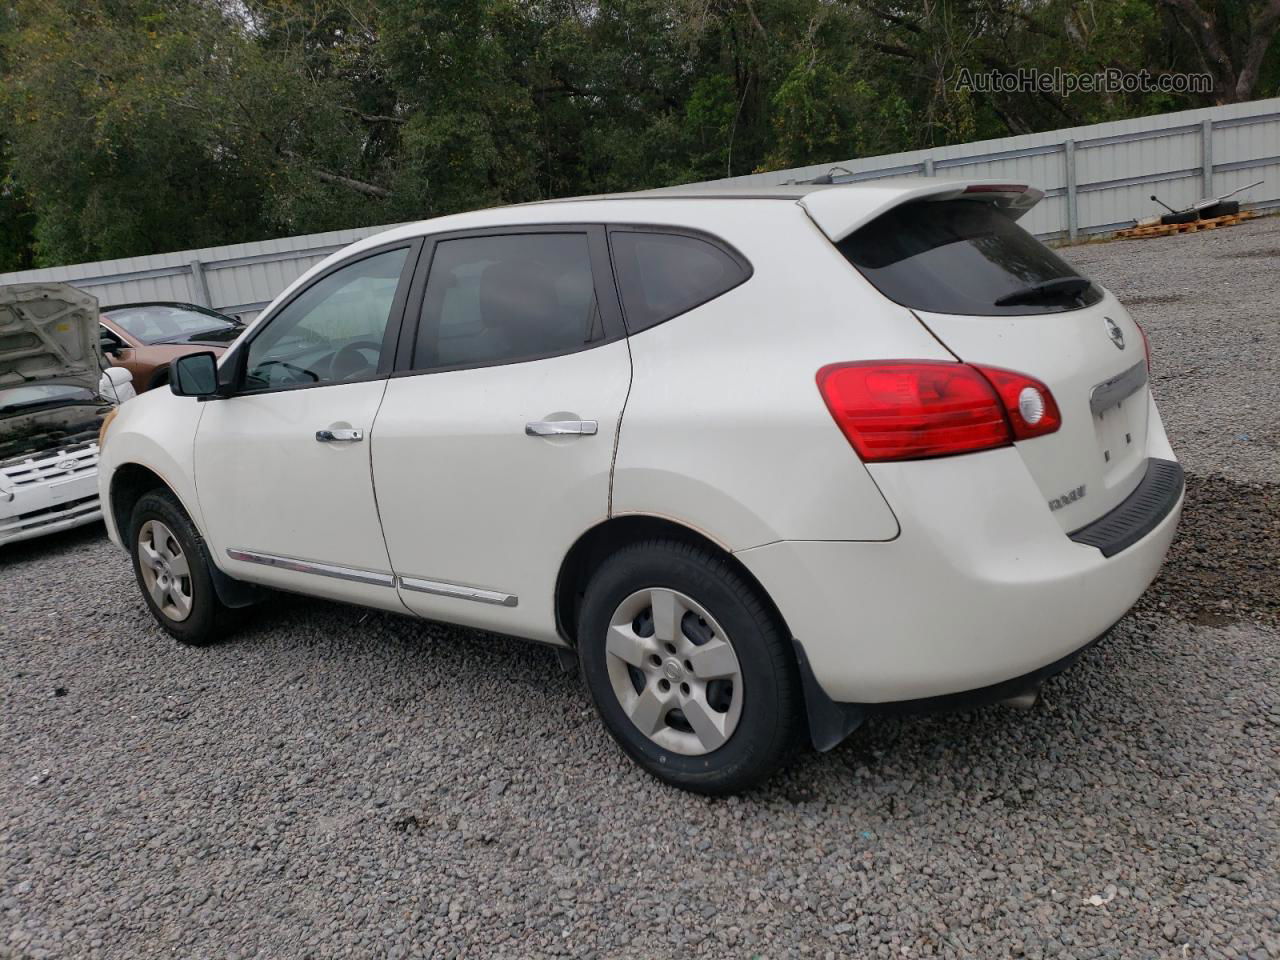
{"x": 911, "y": 409}
{"x": 1027, "y": 402}
{"x": 1146, "y": 345}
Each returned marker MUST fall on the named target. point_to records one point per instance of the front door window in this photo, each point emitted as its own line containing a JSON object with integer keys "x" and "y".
{"x": 333, "y": 332}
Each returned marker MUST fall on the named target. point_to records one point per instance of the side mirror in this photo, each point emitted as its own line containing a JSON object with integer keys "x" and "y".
{"x": 108, "y": 344}
{"x": 195, "y": 375}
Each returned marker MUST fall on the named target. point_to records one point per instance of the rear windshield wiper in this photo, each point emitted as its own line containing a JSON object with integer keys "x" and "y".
{"x": 1046, "y": 290}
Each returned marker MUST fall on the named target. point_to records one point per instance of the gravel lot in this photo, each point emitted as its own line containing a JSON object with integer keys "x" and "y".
{"x": 338, "y": 782}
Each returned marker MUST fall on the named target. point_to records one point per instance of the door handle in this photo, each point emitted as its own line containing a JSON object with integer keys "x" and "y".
{"x": 560, "y": 428}
{"x": 340, "y": 435}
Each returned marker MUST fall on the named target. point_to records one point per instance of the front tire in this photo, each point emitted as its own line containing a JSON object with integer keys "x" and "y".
{"x": 171, "y": 564}
{"x": 689, "y": 668}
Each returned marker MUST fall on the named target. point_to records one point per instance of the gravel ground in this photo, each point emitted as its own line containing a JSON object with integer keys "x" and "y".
{"x": 337, "y": 782}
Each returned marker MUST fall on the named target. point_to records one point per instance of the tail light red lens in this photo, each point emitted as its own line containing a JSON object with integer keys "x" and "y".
{"x": 912, "y": 409}
{"x": 1146, "y": 345}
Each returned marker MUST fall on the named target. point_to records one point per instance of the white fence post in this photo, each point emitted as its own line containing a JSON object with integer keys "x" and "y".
{"x": 1073, "y": 212}
{"x": 199, "y": 285}
{"x": 1206, "y": 155}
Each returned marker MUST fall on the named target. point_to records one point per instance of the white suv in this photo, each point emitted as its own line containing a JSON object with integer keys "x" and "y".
{"x": 766, "y": 462}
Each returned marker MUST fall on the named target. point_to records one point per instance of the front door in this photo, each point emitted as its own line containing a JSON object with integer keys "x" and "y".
{"x": 282, "y": 467}
{"x": 494, "y": 447}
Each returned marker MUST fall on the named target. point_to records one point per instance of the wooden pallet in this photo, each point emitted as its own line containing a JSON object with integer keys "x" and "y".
{"x": 1195, "y": 226}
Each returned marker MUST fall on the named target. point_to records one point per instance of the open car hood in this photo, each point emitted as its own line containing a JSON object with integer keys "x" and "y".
{"x": 48, "y": 334}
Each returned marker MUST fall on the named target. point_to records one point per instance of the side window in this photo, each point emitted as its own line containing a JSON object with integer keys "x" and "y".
{"x": 496, "y": 299}
{"x": 661, "y": 275}
{"x": 333, "y": 331}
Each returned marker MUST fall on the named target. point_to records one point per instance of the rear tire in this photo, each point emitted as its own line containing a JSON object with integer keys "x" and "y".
{"x": 172, "y": 566}
{"x": 689, "y": 668}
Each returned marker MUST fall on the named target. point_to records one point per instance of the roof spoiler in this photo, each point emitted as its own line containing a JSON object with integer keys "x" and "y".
{"x": 840, "y": 210}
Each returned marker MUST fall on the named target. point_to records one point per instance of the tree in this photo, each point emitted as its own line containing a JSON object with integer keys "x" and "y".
{"x": 16, "y": 219}
{"x": 1232, "y": 38}
{"x": 137, "y": 126}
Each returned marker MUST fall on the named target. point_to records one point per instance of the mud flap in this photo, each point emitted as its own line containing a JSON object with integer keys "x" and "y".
{"x": 829, "y": 722}
{"x": 234, "y": 593}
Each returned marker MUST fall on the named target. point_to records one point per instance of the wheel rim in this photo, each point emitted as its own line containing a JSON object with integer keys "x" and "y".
{"x": 674, "y": 671}
{"x": 165, "y": 571}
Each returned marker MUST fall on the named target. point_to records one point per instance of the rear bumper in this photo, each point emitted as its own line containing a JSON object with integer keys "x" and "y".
{"x": 982, "y": 586}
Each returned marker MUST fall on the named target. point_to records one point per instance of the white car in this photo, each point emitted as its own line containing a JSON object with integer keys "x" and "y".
{"x": 764, "y": 461}
{"x": 53, "y": 399}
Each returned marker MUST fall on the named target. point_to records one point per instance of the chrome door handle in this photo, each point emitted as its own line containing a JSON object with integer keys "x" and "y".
{"x": 560, "y": 428}
{"x": 340, "y": 435}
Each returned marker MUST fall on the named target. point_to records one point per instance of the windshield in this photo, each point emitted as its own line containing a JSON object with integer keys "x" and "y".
{"x": 14, "y": 399}
{"x": 963, "y": 257}
{"x": 171, "y": 323}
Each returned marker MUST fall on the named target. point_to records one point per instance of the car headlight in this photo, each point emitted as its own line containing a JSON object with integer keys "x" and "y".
{"x": 106, "y": 422}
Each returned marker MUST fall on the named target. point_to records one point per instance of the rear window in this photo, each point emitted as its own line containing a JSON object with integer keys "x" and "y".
{"x": 962, "y": 257}
{"x": 661, "y": 275}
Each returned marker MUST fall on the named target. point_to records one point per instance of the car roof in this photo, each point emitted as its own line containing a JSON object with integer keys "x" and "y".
{"x": 704, "y": 191}
{"x": 836, "y": 208}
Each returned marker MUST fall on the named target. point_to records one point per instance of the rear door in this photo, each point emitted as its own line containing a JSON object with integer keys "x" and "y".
{"x": 994, "y": 295}
{"x": 493, "y": 448}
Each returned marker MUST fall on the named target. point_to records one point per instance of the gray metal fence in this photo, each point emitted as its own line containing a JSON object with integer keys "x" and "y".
{"x": 240, "y": 278}
{"x": 1097, "y": 179}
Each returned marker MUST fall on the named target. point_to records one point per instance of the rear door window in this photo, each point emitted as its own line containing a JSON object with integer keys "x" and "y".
{"x": 964, "y": 257}
{"x": 505, "y": 298}
{"x": 661, "y": 275}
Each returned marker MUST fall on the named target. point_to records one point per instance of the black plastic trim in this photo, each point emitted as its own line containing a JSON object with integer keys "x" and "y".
{"x": 232, "y": 592}
{"x": 829, "y": 722}
{"x": 1139, "y": 513}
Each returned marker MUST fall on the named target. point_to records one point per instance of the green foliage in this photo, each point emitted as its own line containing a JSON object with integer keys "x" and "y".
{"x": 137, "y": 126}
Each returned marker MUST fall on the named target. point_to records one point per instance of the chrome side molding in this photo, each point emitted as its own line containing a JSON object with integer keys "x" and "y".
{"x": 457, "y": 590}
{"x": 1110, "y": 392}
{"x": 375, "y": 577}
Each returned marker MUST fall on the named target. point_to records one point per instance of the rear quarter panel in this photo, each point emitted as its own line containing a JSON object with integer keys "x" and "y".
{"x": 724, "y": 429}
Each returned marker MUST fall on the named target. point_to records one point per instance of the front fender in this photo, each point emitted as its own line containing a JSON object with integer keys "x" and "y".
{"x": 156, "y": 430}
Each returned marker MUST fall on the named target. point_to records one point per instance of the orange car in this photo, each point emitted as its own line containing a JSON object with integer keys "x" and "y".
{"x": 145, "y": 338}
